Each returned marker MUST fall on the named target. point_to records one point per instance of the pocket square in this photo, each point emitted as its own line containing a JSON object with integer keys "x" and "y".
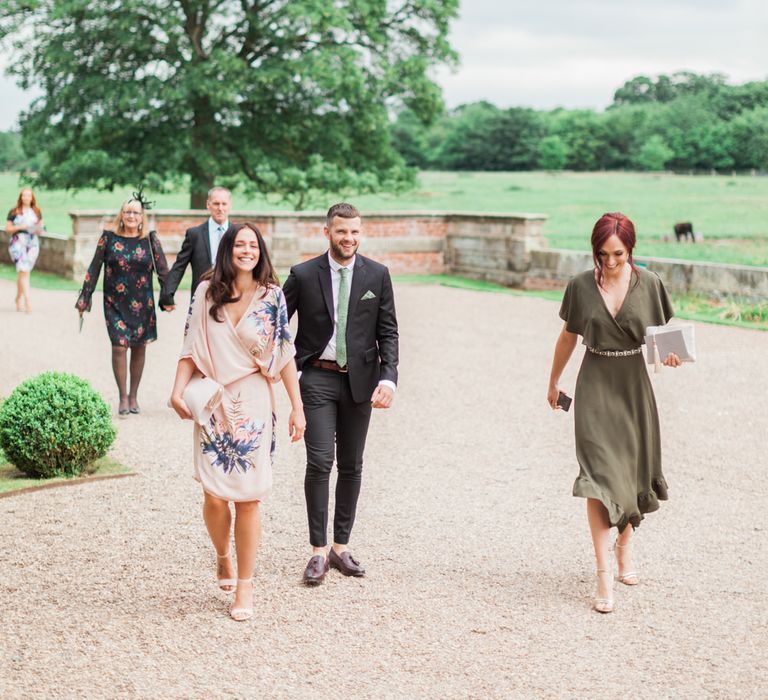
{"x": 368, "y": 295}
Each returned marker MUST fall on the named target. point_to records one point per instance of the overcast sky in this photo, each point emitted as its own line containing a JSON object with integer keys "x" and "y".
{"x": 576, "y": 53}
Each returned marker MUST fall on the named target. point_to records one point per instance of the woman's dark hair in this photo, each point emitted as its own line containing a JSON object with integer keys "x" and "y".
{"x": 222, "y": 275}
{"x": 613, "y": 224}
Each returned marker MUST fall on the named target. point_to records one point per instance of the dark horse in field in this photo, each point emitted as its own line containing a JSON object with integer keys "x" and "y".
{"x": 683, "y": 231}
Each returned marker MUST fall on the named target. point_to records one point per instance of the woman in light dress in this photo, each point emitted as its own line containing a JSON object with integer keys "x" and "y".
{"x": 237, "y": 334}
{"x": 24, "y": 223}
{"x": 618, "y": 444}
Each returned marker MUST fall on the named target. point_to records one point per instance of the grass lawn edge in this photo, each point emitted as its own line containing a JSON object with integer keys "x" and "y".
{"x": 13, "y": 482}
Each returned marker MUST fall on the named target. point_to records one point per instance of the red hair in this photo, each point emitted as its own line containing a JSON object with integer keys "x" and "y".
{"x": 613, "y": 224}
{"x": 32, "y": 204}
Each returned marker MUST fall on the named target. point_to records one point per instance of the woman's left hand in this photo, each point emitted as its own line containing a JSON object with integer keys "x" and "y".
{"x": 672, "y": 360}
{"x": 297, "y": 424}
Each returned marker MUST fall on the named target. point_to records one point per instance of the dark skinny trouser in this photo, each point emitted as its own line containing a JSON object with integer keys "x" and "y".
{"x": 334, "y": 420}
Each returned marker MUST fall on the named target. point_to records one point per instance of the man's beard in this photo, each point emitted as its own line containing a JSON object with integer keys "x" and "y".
{"x": 339, "y": 253}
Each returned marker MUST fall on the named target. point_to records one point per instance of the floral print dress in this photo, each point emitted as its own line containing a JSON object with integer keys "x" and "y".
{"x": 129, "y": 304}
{"x": 233, "y": 453}
{"x": 24, "y": 246}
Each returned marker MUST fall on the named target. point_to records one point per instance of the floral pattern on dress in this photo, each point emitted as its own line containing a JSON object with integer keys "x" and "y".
{"x": 129, "y": 306}
{"x": 231, "y": 449}
{"x": 270, "y": 320}
{"x": 24, "y": 246}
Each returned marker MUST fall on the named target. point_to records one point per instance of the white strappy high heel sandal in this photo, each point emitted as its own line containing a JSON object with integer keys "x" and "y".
{"x": 242, "y": 614}
{"x": 226, "y": 584}
{"x": 630, "y": 578}
{"x": 603, "y": 605}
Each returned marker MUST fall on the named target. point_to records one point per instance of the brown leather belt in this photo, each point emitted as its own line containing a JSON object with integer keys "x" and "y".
{"x": 327, "y": 364}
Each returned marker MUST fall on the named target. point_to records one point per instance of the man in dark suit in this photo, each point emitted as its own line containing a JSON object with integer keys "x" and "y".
{"x": 347, "y": 351}
{"x": 200, "y": 245}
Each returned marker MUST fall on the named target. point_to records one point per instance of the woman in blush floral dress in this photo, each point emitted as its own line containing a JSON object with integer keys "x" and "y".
{"x": 24, "y": 224}
{"x": 237, "y": 334}
{"x": 129, "y": 253}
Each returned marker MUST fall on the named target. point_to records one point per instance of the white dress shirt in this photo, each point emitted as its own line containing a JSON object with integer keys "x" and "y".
{"x": 330, "y": 350}
{"x": 214, "y": 236}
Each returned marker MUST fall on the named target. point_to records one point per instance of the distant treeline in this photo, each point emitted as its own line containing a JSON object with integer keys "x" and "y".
{"x": 680, "y": 122}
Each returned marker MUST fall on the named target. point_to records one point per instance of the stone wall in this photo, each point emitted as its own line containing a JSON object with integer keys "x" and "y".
{"x": 493, "y": 248}
{"x": 409, "y": 243}
{"x": 57, "y": 253}
{"x": 708, "y": 279}
{"x": 505, "y": 248}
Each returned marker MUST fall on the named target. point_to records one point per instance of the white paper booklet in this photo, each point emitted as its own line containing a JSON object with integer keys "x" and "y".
{"x": 677, "y": 338}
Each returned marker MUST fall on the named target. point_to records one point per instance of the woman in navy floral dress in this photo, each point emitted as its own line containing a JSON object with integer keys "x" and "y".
{"x": 129, "y": 254}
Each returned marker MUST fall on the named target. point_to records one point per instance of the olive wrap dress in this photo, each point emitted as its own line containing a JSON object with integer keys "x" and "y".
{"x": 233, "y": 453}
{"x": 618, "y": 445}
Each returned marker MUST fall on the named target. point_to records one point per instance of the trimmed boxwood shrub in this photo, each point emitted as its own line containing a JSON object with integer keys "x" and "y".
{"x": 55, "y": 424}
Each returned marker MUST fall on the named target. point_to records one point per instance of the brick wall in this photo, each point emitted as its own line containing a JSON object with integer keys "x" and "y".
{"x": 410, "y": 243}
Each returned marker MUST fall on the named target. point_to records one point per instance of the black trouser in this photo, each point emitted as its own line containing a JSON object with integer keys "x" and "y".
{"x": 332, "y": 417}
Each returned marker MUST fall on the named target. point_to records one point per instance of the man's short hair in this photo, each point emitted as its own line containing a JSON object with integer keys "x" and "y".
{"x": 217, "y": 190}
{"x": 344, "y": 210}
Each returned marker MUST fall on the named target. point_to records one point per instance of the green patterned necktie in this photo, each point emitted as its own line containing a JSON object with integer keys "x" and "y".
{"x": 341, "y": 326}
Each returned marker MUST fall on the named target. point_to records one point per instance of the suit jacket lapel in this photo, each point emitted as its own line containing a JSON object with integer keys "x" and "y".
{"x": 206, "y": 241}
{"x": 324, "y": 277}
{"x": 358, "y": 285}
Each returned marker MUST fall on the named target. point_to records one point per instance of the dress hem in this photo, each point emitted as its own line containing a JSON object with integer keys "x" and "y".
{"x": 647, "y": 502}
{"x": 230, "y": 500}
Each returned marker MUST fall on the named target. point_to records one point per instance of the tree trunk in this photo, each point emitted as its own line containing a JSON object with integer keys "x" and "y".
{"x": 203, "y": 147}
{"x": 198, "y": 193}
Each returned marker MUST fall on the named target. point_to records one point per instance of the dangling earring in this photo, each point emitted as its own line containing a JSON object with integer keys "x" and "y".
{"x": 122, "y": 223}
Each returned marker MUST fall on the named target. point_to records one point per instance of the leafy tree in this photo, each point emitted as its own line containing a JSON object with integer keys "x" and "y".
{"x": 625, "y": 128}
{"x": 585, "y": 136}
{"x": 749, "y": 138}
{"x": 666, "y": 88}
{"x": 11, "y": 155}
{"x": 409, "y": 138}
{"x": 698, "y": 138}
{"x": 286, "y": 96}
{"x": 654, "y": 154}
{"x": 553, "y": 153}
{"x": 469, "y": 144}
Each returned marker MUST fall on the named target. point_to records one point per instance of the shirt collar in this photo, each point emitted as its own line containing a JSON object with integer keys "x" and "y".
{"x": 336, "y": 266}
{"x": 212, "y": 225}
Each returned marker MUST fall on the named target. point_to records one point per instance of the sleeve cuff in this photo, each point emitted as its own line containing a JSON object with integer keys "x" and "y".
{"x": 390, "y": 384}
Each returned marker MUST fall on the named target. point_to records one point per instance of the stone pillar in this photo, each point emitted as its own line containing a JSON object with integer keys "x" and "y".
{"x": 493, "y": 247}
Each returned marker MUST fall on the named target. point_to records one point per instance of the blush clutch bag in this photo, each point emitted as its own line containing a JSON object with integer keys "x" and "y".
{"x": 202, "y": 395}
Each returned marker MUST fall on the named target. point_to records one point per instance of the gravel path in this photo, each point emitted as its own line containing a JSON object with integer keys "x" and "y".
{"x": 480, "y": 569}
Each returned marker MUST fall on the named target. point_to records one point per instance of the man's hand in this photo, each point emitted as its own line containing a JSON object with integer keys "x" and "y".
{"x": 382, "y": 397}
{"x": 169, "y": 308}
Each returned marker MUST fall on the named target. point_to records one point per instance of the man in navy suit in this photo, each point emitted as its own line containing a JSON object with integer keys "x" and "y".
{"x": 200, "y": 245}
{"x": 347, "y": 351}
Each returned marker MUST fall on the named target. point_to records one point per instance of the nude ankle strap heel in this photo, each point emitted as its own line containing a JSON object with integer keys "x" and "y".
{"x": 603, "y": 605}
{"x": 242, "y": 614}
{"x": 630, "y": 578}
{"x": 226, "y": 584}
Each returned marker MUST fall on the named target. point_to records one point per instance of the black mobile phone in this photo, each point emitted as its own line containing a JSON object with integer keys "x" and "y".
{"x": 564, "y": 401}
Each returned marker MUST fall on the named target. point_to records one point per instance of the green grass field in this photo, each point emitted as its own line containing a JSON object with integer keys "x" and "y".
{"x": 731, "y": 212}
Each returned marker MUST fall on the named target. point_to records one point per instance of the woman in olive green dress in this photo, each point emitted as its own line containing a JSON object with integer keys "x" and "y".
{"x": 617, "y": 426}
